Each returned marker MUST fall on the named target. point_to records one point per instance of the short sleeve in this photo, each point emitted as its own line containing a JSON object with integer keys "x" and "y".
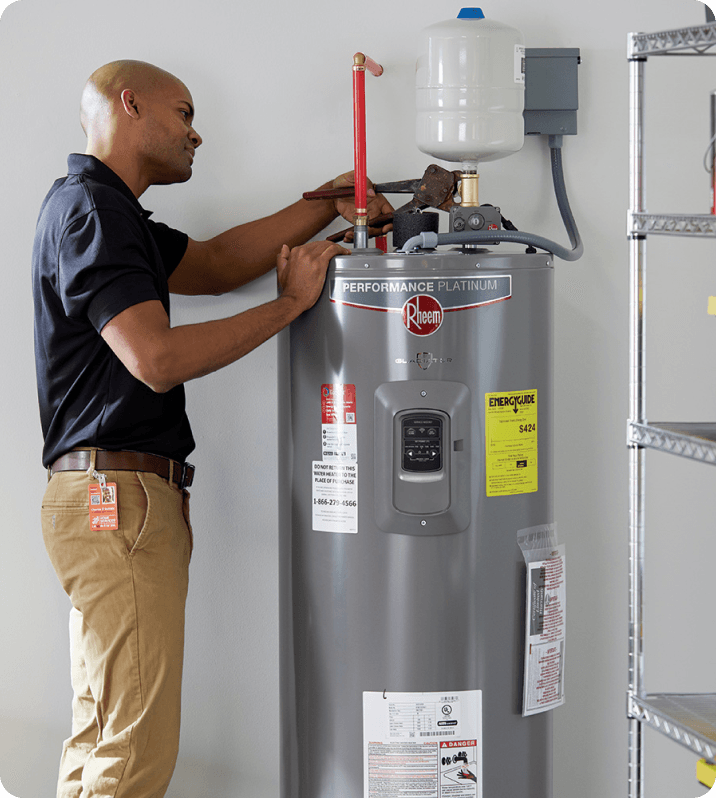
{"x": 171, "y": 243}
{"x": 104, "y": 267}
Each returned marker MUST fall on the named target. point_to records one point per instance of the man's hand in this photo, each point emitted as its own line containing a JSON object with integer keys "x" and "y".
{"x": 302, "y": 270}
{"x": 377, "y": 203}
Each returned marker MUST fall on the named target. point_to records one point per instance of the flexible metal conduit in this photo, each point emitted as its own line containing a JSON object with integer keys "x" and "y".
{"x": 432, "y": 240}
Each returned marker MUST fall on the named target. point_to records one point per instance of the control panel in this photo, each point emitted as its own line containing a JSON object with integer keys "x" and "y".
{"x": 421, "y": 461}
{"x": 422, "y": 442}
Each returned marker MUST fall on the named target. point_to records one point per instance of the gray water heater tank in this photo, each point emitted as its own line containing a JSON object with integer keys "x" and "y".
{"x": 404, "y": 485}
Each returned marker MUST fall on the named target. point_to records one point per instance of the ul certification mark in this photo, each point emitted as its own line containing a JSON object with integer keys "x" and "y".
{"x": 511, "y": 442}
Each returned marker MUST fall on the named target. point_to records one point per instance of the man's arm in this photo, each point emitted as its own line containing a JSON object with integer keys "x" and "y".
{"x": 245, "y": 252}
{"x": 163, "y": 357}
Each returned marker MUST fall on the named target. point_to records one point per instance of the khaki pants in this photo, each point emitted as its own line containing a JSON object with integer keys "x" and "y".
{"x": 128, "y": 590}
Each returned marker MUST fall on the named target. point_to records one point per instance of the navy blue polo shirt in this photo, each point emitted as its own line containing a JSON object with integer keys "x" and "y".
{"x": 97, "y": 253}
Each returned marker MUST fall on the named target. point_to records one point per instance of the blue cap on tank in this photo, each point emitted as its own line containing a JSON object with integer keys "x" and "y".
{"x": 471, "y": 13}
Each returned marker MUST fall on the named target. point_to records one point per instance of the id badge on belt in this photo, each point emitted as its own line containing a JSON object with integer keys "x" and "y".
{"x": 103, "y": 513}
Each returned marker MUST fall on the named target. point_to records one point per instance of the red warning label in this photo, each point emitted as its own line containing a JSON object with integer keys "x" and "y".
{"x": 338, "y": 404}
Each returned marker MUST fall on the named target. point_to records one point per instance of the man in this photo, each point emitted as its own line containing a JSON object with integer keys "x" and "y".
{"x": 110, "y": 373}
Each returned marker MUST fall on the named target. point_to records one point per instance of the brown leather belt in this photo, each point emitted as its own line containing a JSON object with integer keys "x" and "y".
{"x": 182, "y": 473}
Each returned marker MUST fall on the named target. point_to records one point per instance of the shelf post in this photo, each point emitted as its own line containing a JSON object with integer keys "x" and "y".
{"x": 637, "y": 409}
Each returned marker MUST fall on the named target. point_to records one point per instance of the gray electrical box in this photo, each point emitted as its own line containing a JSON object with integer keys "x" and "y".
{"x": 551, "y": 95}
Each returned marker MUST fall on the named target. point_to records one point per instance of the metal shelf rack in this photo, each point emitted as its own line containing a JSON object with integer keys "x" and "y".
{"x": 696, "y": 441}
{"x": 688, "y": 719}
{"x": 641, "y": 224}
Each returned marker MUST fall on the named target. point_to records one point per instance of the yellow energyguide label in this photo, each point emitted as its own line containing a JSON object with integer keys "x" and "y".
{"x": 511, "y": 442}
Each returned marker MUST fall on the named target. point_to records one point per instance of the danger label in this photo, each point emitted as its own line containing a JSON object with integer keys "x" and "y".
{"x": 511, "y": 442}
{"x": 458, "y": 743}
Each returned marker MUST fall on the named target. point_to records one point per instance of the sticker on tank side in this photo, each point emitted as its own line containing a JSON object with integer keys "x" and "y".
{"x": 427, "y": 744}
{"x": 511, "y": 442}
{"x": 335, "y": 497}
{"x": 334, "y": 478}
{"x": 391, "y": 294}
{"x": 545, "y": 635}
{"x": 339, "y": 440}
{"x": 520, "y": 64}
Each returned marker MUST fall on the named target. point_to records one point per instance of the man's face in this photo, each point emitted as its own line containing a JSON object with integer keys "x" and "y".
{"x": 169, "y": 140}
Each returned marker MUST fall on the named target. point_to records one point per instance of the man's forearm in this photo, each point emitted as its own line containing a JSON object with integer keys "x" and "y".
{"x": 255, "y": 245}
{"x": 179, "y": 354}
{"x": 249, "y": 250}
{"x": 163, "y": 357}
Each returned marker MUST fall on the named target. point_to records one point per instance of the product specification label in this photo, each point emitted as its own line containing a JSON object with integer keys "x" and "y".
{"x": 335, "y": 476}
{"x": 422, "y": 744}
{"x": 511, "y": 442}
{"x": 545, "y": 635}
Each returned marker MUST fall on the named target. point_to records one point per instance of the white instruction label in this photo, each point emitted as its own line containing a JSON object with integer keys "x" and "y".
{"x": 545, "y": 635}
{"x": 339, "y": 443}
{"x": 335, "y": 497}
{"x": 422, "y": 744}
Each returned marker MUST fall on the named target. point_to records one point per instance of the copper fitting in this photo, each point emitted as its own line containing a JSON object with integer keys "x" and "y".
{"x": 362, "y": 61}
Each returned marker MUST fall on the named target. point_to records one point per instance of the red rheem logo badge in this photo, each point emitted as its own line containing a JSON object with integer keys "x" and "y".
{"x": 422, "y": 315}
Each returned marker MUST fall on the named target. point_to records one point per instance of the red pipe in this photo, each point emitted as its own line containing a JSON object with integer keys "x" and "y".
{"x": 361, "y": 62}
{"x": 361, "y": 177}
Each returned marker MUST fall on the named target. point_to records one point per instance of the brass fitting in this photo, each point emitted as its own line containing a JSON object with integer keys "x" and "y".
{"x": 468, "y": 190}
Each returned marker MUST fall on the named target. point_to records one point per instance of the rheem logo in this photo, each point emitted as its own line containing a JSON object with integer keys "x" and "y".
{"x": 422, "y": 315}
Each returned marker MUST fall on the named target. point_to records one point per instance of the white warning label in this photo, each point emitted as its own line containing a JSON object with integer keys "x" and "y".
{"x": 422, "y": 744}
{"x": 545, "y": 635}
{"x": 339, "y": 443}
{"x": 335, "y": 497}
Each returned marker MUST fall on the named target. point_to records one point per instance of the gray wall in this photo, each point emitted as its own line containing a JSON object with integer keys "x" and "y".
{"x": 271, "y": 83}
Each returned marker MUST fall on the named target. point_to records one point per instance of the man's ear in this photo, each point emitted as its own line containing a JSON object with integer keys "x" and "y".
{"x": 129, "y": 103}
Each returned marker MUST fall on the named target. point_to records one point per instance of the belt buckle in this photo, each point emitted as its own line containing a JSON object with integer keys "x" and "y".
{"x": 187, "y": 475}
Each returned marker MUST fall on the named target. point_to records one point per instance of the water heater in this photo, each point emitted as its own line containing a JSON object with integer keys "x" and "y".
{"x": 416, "y": 425}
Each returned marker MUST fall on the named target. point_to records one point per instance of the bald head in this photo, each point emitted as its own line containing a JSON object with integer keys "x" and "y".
{"x": 138, "y": 120}
{"x": 101, "y": 96}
